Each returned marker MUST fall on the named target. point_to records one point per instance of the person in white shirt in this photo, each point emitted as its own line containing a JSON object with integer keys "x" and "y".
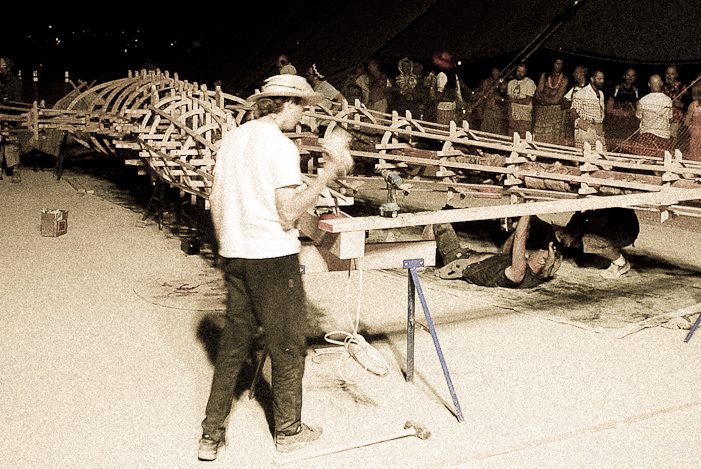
{"x": 520, "y": 92}
{"x": 588, "y": 111}
{"x": 654, "y": 110}
{"x": 256, "y": 200}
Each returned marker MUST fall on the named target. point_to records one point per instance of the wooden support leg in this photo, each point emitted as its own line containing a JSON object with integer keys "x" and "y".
{"x": 156, "y": 201}
{"x": 61, "y": 156}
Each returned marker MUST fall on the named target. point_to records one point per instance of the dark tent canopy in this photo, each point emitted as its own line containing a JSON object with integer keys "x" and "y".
{"x": 337, "y": 34}
{"x": 636, "y": 31}
{"x": 238, "y": 42}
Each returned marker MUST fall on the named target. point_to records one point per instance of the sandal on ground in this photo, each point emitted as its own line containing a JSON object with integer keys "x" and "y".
{"x": 453, "y": 270}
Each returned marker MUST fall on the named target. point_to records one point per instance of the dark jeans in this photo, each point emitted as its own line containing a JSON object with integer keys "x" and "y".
{"x": 270, "y": 293}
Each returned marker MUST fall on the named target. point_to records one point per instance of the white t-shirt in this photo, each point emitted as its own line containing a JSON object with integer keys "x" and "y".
{"x": 654, "y": 111}
{"x": 254, "y": 160}
{"x": 520, "y": 89}
{"x": 441, "y": 81}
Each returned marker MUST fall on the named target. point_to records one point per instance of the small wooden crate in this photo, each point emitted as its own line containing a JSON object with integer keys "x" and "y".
{"x": 54, "y": 222}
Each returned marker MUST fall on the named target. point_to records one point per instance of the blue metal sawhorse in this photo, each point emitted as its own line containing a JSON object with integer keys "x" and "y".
{"x": 693, "y": 329}
{"x": 414, "y": 287}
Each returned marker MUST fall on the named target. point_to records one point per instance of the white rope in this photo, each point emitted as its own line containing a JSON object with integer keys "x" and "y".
{"x": 352, "y": 344}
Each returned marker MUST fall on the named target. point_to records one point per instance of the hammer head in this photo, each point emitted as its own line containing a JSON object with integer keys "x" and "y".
{"x": 420, "y": 431}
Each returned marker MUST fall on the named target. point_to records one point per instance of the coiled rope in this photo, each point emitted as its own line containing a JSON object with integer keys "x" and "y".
{"x": 352, "y": 344}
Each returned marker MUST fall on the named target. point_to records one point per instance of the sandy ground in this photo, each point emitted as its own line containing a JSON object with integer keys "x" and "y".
{"x": 99, "y": 371}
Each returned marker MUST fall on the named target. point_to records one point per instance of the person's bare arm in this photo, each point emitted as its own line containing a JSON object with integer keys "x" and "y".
{"x": 339, "y": 98}
{"x": 337, "y": 101}
{"x": 517, "y": 270}
{"x": 215, "y": 210}
{"x": 292, "y": 203}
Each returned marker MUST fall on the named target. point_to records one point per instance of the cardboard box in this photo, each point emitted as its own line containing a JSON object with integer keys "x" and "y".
{"x": 54, "y": 222}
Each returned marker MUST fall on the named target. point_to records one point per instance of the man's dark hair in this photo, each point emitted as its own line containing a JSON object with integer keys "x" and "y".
{"x": 273, "y": 105}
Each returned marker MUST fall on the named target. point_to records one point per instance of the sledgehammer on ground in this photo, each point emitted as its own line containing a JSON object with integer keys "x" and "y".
{"x": 410, "y": 429}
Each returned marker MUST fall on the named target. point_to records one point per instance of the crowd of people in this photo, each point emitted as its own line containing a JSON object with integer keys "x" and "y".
{"x": 573, "y": 111}
{"x": 553, "y": 106}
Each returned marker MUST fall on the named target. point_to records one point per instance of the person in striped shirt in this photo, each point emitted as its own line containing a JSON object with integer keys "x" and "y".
{"x": 588, "y": 111}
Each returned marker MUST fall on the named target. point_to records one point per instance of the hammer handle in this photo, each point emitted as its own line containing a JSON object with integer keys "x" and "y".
{"x": 341, "y": 448}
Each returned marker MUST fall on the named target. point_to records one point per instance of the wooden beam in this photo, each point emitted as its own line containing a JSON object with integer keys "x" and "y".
{"x": 665, "y": 197}
{"x": 377, "y": 256}
{"x": 347, "y": 245}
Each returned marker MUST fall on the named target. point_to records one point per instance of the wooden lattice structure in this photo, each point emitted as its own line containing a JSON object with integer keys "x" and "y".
{"x": 172, "y": 129}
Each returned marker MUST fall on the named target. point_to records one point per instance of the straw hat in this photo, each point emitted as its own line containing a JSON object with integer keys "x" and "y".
{"x": 288, "y": 85}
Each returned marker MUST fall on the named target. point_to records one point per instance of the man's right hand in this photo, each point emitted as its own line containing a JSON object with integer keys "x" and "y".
{"x": 338, "y": 160}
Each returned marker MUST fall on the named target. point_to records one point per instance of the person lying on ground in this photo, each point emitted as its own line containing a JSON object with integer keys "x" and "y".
{"x": 511, "y": 268}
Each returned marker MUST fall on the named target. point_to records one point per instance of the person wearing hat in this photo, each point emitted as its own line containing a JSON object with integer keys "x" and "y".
{"x": 404, "y": 91}
{"x": 332, "y": 98}
{"x": 509, "y": 269}
{"x": 449, "y": 90}
{"x": 257, "y": 197}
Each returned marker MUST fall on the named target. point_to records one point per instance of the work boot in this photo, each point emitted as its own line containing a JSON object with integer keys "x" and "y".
{"x": 304, "y": 436}
{"x": 448, "y": 243}
{"x": 208, "y": 448}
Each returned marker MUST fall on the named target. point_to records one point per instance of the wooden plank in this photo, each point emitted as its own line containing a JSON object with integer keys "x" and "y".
{"x": 308, "y": 225}
{"x": 544, "y": 150}
{"x": 377, "y": 256}
{"x": 665, "y": 197}
{"x": 347, "y": 245}
{"x": 659, "y": 320}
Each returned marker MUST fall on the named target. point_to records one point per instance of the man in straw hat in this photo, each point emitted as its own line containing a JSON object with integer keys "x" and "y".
{"x": 509, "y": 269}
{"x": 256, "y": 200}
